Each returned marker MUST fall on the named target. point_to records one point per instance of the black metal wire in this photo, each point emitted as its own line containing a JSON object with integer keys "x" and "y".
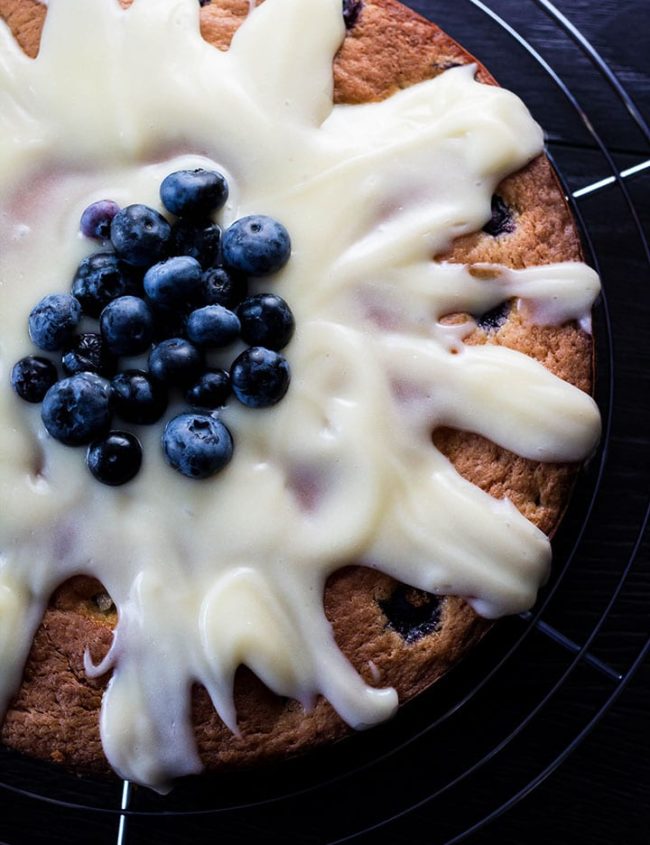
{"x": 552, "y": 767}
{"x": 599, "y": 63}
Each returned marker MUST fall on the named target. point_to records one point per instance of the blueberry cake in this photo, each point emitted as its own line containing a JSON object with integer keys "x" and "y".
{"x": 394, "y": 635}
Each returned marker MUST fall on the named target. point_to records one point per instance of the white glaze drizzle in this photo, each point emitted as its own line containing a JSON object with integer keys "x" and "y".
{"x": 207, "y": 576}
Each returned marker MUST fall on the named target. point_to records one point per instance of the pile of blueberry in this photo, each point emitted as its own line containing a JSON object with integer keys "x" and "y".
{"x": 173, "y": 291}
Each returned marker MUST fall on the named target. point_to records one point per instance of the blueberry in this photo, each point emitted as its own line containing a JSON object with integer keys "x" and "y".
{"x": 97, "y": 218}
{"x": 115, "y": 459}
{"x": 138, "y": 398}
{"x": 494, "y": 318}
{"x": 412, "y": 613}
{"x": 174, "y": 281}
{"x": 127, "y": 325}
{"x": 99, "y": 279}
{"x": 194, "y": 193}
{"x": 260, "y": 377}
{"x": 256, "y": 245}
{"x": 351, "y": 10}
{"x": 198, "y": 239}
{"x": 213, "y": 326}
{"x": 175, "y": 361}
{"x": 266, "y": 320}
{"x": 32, "y": 377}
{"x": 77, "y": 409}
{"x": 501, "y": 222}
{"x": 88, "y": 353}
{"x": 140, "y": 235}
{"x": 223, "y": 287}
{"x": 53, "y": 321}
{"x": 197, "y": 445}
{"x": 210, "y": 391}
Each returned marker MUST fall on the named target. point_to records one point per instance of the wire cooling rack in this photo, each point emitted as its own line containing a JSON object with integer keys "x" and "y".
{"x": 539, "y": 684}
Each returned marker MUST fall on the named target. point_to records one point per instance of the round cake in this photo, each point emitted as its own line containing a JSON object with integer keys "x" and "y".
{"x": 394, "y": 635}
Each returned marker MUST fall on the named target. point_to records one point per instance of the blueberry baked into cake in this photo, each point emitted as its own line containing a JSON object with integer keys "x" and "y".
{"x": 295, "y": 363}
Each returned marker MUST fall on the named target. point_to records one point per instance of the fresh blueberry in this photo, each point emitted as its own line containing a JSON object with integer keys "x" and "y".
{"x": 213, "y": 326}
{"x": 502, "y": 220}
{"x": 127, "y": 325}
{"x": 260, "y": 377}
{"x": 54, "y": 320}
{"x": 266, "y": 320}
{"x": 412, "y": 613}
{"x": 88, "y": 353}
{"x": 138, "y": 398}
{"x": 197, "y": 445}
{"x": 198, "y": 239}
{"x": 99, "y": 279}
{"x": 194, "y": 193}
{"x": 140, "y": 235}
{"x": 97, "y": 218}
{"x": 77, "y": 409}
{"x": 223, "y": 287}
{"x": 351, "y": 10}
{"x": 256, "y": 245}
{"x": 115, "y": 459}
{"x": 32, "y": 377}
{"x": 210, "y": 391}
{"x": 175, "y": 361}
{"x": 174, "y": 281}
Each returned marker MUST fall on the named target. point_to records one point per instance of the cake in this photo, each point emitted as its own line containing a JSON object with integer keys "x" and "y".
{"x": 402, "y": 611}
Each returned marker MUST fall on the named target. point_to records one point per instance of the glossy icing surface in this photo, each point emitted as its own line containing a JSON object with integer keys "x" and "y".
{"x": 344, "y": 468}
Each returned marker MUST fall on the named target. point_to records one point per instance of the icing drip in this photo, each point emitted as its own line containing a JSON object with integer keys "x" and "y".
{"x": 343, "y": 469}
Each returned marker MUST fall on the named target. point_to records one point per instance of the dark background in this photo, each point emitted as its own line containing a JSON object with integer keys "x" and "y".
{"x": 562, "y": 737}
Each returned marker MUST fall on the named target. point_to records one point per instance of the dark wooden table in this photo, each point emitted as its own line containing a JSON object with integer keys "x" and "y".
{"x": 592, "y": 790}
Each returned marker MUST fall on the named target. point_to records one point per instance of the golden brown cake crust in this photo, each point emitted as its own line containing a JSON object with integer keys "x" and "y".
{"x": 55, "y": 714}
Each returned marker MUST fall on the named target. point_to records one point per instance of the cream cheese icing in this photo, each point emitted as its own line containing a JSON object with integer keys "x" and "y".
{"x": 207, "y": 576}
